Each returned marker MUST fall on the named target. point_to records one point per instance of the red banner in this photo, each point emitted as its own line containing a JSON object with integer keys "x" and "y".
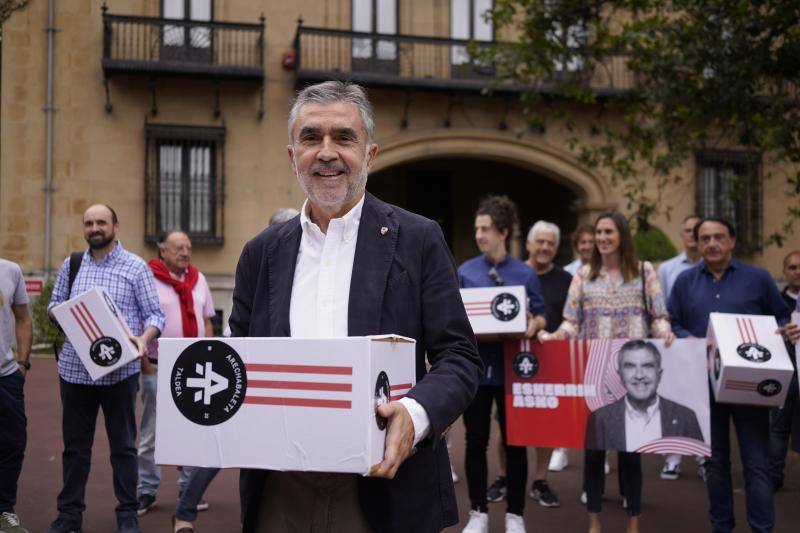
{"x": 558, "y": 391}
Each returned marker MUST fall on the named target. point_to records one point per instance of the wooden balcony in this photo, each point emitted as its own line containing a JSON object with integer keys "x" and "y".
{"x": 186, "y": 48}
{"x": 420, "y": 62}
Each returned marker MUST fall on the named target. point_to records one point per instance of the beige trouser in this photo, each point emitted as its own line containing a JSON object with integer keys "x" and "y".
{"x": 310, "y": 502}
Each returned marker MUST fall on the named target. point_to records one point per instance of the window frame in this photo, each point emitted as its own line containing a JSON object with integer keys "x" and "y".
{"x": 747, "y": 203}
{"x": 374, "y": 63}
{"x": 185, "y": 136}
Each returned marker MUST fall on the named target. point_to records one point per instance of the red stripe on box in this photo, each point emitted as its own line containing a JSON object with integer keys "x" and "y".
{"x": 298, "y": 402}
{"x": 80, "y": 323}
{"x": 300, "y": 369}
{"x": 299, "y": 385}
{"x": 741, "y": 332}
{"x": 752, "y": 330}
{"x": 86, "y": 323}
{"x": 484, "y": 313}
{"x": 401, "y": 386}
{"x": 395, "y": 398}
{"x": 477, "y": 303}
{"x": 91, "y": 318}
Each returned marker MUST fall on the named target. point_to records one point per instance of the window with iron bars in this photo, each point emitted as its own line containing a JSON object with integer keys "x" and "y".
{"x": 185, "y": 181}
{"x": 728, "y": 185}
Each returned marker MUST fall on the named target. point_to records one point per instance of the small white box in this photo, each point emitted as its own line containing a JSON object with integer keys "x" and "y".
{"x": 496, "y": 310}
{"x": 748, "y": 362}
{"x": 279, "y": 403}
{"x": 97, "y": 331}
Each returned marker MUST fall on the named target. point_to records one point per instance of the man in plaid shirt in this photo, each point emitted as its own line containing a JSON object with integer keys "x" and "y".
{"x": 129, "y": 282}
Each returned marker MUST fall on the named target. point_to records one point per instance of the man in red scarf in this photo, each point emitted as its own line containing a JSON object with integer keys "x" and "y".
{"x": 186, "y": 301}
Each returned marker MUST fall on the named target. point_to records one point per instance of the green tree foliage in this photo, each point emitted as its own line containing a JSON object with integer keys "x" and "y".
{"x": 44, "y": 331}
{"x": 709, "y": 74}
{"x": 653, "y": 244}
{"x": 9, "y": 6}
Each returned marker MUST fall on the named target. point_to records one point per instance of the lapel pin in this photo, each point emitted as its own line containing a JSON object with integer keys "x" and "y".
{"x": 384, "y": 230}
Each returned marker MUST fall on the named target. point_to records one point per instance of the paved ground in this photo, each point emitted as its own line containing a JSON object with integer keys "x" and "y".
{"x": 668, "y": 505}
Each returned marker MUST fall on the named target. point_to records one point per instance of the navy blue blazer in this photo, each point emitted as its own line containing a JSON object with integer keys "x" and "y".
{"x": 404, "y": 282}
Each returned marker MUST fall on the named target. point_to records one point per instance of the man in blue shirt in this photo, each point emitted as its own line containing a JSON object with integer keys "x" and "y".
{"x": 783, "y": 417}
{"x": 494, "y": 220}
{"x": 722, "y": 284}
{"x": 129, "y": 282}
{"x": 668, "y": 272}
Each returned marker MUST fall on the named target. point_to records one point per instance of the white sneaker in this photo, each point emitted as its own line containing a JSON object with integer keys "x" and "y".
{"x": 453, "y": 474}
{"x": 514, "y": 523}
{"x": 559, "y": 460}
{"x": 478, "y": 523}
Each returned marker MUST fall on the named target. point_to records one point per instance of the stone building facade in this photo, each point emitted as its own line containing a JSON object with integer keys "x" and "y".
{"x": 174, "y": 112}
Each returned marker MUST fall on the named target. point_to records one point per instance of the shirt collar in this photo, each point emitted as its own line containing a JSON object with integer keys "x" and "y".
{"x": 789, "y": 294}
{"x": 110, "y": 256}
{"x": 498, "y": 265}
{"x": 733, "y": 265}
{"x": 648, "y": 415}
{"x": 351, "y": 220}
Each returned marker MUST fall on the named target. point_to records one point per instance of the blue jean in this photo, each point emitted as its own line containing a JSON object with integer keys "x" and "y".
{"x": 199, "y": 479}
{"x": 779, "y": 431}
{"x": 13, "y": 437}
{"x": 80, "y": 405}
{"x": 149, "y": 472}
{"x": 752, "y": 430}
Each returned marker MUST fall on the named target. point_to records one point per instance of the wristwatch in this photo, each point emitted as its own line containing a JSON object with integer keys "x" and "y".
{"x": 26, "y": 364}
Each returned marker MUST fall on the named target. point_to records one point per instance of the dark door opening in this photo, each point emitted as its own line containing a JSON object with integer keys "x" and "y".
{"x": 449, "y": 190}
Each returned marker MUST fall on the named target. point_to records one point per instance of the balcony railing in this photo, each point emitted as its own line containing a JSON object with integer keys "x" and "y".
{"x": 421, "y": 62}
{"x": 158, "y": 46}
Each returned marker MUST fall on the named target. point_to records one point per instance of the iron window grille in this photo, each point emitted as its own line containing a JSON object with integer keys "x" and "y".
{"x": 729, "y": 185}
{"x": 185, "y": 181}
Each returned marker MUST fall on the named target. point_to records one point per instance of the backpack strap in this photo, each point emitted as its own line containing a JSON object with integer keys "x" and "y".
{"x": 75, "y": 259}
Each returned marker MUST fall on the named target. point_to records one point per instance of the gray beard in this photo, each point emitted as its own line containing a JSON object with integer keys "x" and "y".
{"x": 353, "y": 190}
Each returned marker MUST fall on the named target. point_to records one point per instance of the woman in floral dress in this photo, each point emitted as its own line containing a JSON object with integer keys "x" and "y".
{"x": 614, "y": 296}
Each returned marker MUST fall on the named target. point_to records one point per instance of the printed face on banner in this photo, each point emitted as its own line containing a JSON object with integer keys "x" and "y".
{"x": 609, "y": 394}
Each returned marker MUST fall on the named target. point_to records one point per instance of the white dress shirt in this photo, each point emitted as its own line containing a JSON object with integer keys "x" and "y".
{"x": 321, "y": 288}
{"x": 641, "y": 428}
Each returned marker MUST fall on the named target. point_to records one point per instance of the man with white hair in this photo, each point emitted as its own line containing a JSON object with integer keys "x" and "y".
{"x": 542, "y": 245}
{"x": 352, "y": 265}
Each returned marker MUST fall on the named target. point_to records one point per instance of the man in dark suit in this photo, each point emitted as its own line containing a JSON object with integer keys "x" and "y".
{"x": 294, "y": 279}
{"x": 641, "y": 416}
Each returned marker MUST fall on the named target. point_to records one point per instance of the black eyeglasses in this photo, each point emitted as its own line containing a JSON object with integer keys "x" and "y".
{"x": 496, "y": 277}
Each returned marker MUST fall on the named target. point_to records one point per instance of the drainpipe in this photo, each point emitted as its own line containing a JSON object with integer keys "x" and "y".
{"x": 48, "y": 140}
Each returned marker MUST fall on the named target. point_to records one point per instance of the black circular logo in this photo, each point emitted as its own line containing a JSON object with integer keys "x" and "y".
{"x": 526, "y": 365}
{"x": 105, "y": 351}
{"x": 753, "y": 352}
{"x": 505, "y": 306}
{"x": 208, "y": 382}
{"x": 769, "y": 387}
{"x": 717, "y": 361}
{"x": 110, "y": 303}
{"x": 382, "y": 395}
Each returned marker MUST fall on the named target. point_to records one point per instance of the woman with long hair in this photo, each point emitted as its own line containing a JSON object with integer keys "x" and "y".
{"x": 613, "y": 296}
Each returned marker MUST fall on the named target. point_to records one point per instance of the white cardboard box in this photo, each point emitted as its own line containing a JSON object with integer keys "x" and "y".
{"x": 279, "y": 403}
{"x": 748, "y": 362}
{"x": 97, "y": 331}
{"x": 496, "y": 310}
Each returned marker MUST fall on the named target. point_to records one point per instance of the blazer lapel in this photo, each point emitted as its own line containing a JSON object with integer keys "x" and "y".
{"x": 377, "y": 240}
{"x": 282, "y": 261}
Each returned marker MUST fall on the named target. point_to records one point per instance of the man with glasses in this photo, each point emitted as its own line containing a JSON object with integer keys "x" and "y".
{"x": 782, "y": 417}
{"x": 668, "y": 272}
{"x": 722, "y": 284}
{"x": 494, "y": 220}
